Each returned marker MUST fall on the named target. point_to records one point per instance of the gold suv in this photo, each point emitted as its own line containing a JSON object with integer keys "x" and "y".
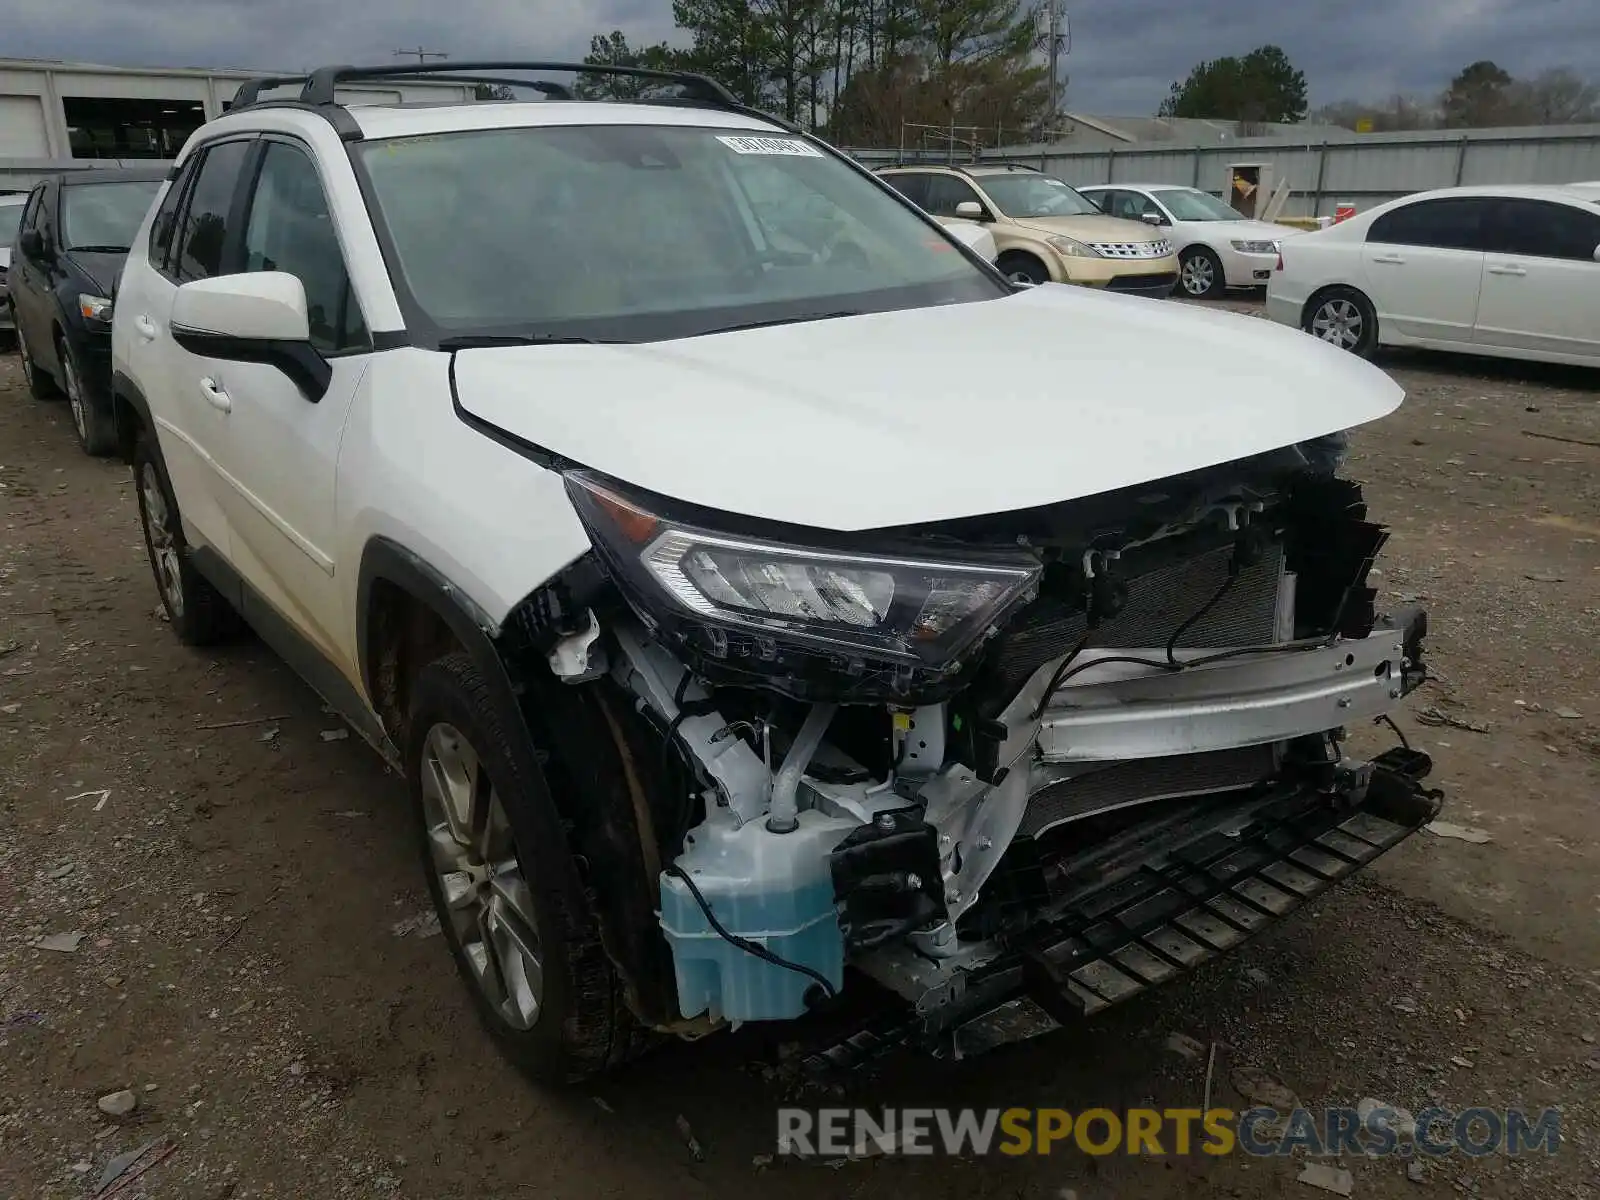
{"x": 1043, "y": 228}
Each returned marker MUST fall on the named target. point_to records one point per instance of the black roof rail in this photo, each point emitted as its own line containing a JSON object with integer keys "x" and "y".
{"x": 320, "y": 87}
{"x": 250, "y": 91}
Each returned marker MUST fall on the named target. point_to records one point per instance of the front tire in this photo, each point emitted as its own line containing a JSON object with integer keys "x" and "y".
{"x": 504, "y": 883}
{"x": 1345, "y": 318}
{"x": 198, "y": 613}
{"x": 97, "y": 432}
{"x": 1022, "y": 268}
{"x": 1200, "y": 274}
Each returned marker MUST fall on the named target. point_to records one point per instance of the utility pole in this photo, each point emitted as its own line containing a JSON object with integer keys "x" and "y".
{"x": 422, "y": 55}
{"x": 1057, "y": 42}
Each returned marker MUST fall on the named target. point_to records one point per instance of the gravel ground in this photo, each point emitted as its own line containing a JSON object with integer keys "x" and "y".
{"x": 242, "y": 895}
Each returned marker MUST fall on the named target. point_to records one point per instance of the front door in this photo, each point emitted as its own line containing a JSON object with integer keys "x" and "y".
{"x": 1541, "y": 280}
{"x": 275, "y": 450}
{"x": 29, "y": 278}
{"x": 1423, "y": 264}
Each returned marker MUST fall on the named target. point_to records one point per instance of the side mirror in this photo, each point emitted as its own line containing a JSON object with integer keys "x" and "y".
{"x": 1597, "y": 254}
{"x": 33, "y": 245}
{"x": 1151, "y": 218}
{"x": 970, "y": 210}
{"x": 258, "y": 317}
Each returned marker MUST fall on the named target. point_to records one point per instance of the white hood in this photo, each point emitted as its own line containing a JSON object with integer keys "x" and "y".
{"x": 1248, "y": 231}
{"x": 928, "y": 414}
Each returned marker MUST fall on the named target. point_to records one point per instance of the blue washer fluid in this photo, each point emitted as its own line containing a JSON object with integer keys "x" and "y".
{"x": 773, "y": 889}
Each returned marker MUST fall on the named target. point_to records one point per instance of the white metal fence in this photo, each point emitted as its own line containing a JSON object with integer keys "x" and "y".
{"x": 1365, "y": 170}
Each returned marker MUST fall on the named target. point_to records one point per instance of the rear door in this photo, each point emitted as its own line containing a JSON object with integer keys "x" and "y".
{"x": 1541, "y": 280}
{"x": 1423, "y": 265}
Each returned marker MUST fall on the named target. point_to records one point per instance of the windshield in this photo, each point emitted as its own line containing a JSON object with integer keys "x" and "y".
{"x": 104, "y": 216}
{"x": 1190, "y": 204}
{"x": 637, "y": 232}
{"x": 10, "y": 221}
{"x": 1026, "y": 194}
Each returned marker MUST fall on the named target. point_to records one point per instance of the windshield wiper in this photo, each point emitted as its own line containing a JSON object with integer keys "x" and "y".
{"x": 99, "y": 249}
{"x": 481, "y": 341}
{"x": 803, "y": 317}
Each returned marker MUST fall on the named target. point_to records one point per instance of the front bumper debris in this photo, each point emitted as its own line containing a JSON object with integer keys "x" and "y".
{"x": 1181, "y": 900}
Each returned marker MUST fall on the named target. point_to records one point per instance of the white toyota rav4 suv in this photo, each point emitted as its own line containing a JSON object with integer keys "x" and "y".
{"x": 640, "y": 478}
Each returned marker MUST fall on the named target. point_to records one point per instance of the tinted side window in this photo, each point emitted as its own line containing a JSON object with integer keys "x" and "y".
{"x": 1543, "y": 230}
{"x": 30, "y": 210}
{"x": 167, "y": 217}
{"x": 290, "y": 229}
{"x": 1450, "y": 224}
{"x": 913, "y": 187}
{"x": 203, "y": 230}
{"x": 945, "y": 192}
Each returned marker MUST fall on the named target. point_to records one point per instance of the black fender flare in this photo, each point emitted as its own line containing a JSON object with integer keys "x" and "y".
{"x": 387, "y": 560}
{"x": 125, "y": 392}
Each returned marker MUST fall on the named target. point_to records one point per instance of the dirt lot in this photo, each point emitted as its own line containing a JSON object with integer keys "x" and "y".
{"x": 239, "y": 882}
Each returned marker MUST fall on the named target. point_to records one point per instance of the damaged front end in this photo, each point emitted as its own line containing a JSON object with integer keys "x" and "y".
{"x": 1011, "y": 769}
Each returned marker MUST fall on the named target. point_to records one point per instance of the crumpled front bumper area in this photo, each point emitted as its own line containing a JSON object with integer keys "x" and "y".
{"x": 1185, "y": 886}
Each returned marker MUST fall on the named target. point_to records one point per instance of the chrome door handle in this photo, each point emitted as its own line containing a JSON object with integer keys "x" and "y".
{"x": 215, "y": 396}
{"x": 1508, "y": 270}
{"x": 145, "y": 328}
{"x": 1390, "y": 259}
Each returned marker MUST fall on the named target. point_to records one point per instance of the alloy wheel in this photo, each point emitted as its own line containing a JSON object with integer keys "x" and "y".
{"x": 163, "y": 542}
{"x": 1338, "y": 321}
{"x": 1197, "y": 275}
{"x": 27, "y": 359}
{"x": 74, "y": 388}
{"x": 480, "y": 874}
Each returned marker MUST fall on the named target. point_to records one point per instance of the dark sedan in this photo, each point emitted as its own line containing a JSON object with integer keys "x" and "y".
{"x": 74, "y": 237}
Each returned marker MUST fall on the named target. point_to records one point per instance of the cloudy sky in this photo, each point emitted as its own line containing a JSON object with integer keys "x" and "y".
{"x": 1125, "y": 53}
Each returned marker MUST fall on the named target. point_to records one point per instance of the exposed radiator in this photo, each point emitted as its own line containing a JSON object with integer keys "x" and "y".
{"x": 1158, "y": 602}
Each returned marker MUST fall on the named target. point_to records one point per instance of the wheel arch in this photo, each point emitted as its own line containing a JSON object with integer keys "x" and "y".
{"x": 404, "y": 606}
{"x": 130, "y": 412}
{"x": 1027, "y": 252}
{"x": 408, "y": 610}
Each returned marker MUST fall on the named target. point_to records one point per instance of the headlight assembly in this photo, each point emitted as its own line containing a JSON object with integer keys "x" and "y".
{"x": 907, "y": 609}
{"x": 94, "y": 308}
{"x": 1071, "y": 247}
{"x": 1255, "y": 247}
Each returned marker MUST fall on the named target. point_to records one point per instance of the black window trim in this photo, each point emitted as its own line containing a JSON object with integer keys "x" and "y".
{"x": 182, "y": 181}
{"x": 368, "y": 345}
{"x": 31, "y": 207}
{"x": 193, "y": 164}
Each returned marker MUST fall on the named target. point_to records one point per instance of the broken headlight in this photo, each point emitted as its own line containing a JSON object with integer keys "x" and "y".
{"x": 922, "y": 611}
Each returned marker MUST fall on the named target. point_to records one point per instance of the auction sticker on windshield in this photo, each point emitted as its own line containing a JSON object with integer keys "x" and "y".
{"x": 770, "y": 145}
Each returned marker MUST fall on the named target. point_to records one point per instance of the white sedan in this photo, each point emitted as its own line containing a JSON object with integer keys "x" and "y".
{"x": 1512, "y": 272}
{"x": 1218, "y": 248}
